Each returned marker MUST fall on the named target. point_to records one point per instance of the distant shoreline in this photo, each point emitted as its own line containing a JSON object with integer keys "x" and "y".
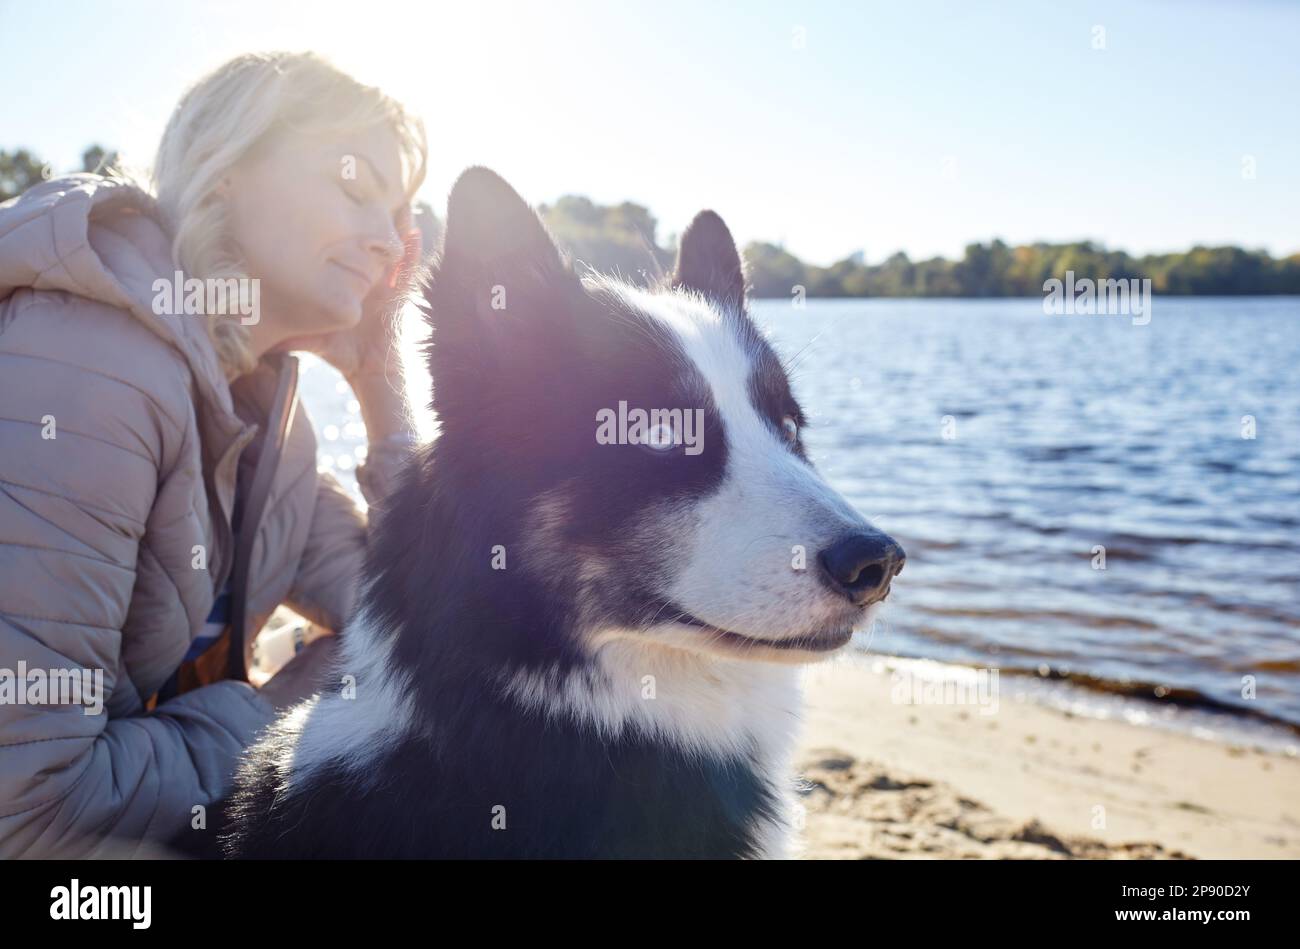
{"x": 1029, "y": 296}
{"x": 622, "y": 239}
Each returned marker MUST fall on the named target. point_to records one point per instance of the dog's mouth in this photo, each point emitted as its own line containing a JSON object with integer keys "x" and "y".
{"x": 827, "y": 640}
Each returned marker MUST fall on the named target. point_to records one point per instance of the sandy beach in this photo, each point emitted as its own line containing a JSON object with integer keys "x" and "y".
{"x": 889, "y": 779}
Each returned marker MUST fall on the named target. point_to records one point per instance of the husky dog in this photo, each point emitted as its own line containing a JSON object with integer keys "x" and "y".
{"x": 579, "y": 631}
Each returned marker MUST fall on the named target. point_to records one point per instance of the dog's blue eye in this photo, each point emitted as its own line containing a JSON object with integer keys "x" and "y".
{"x": 789, "y": 428}
{"x": 660, "y": 438}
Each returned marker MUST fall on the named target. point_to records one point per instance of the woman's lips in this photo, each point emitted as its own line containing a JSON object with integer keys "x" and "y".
{"x": 364, "y": 280}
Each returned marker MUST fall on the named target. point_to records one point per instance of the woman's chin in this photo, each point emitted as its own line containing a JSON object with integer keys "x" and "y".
{"x": 339, "y": 312}
{"x": 334, "y": 316}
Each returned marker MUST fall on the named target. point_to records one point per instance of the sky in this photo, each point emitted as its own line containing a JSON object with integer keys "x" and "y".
{"x": 830, "y": 128}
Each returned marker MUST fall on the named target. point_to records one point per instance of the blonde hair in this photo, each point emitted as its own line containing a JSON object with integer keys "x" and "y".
{"x": 231, "y": 112}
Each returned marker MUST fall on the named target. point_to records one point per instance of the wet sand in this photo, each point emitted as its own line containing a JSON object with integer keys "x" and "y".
{"x": 885, "y": 779}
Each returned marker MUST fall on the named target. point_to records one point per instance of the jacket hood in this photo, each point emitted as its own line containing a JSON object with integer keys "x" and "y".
{"x": 107, "y": 240}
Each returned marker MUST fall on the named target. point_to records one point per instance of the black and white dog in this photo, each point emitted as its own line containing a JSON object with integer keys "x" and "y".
{"x": 585, "y": 606}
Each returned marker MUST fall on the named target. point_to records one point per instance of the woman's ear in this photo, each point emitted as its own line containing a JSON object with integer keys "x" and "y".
{"x": 405, "y": 271}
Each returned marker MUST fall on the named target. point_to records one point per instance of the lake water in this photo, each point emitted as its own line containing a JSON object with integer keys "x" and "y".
{"x": 1003, "y": 446}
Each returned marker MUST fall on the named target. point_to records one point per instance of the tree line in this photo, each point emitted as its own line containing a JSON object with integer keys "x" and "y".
{"x": 622, "y": 239}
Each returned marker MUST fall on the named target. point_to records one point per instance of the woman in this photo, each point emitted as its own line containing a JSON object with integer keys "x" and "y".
{"x": 159, "y": 496}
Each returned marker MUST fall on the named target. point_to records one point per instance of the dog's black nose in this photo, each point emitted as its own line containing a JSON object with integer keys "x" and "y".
{"x": 860, "y": 565}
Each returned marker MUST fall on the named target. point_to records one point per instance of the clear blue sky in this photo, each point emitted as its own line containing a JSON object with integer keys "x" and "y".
{"x": 913, "y": 126}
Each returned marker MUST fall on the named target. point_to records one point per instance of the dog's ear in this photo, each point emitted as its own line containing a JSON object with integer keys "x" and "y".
{"x": 492, "y": 233}
{"x": 500, "y": 300}
{"x": 707, "y": 261}
{"x": 499, "y": 274}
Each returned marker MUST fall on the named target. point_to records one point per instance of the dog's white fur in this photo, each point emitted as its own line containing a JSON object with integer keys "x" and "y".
{"x": 352, "y": 730}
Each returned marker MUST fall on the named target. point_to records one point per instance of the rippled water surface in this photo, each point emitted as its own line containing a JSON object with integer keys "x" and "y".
{"x": 1068, "y": 433}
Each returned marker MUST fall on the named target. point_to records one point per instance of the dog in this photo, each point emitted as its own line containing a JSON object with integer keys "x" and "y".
{"x": 579, "y": 628}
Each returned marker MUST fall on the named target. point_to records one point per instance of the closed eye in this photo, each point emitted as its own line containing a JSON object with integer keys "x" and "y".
{"x": 351, "y": 197}
{"x": 399, "y": 216}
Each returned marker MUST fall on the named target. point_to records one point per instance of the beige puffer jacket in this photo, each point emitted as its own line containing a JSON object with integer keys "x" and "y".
{"x": 101, "y": 523}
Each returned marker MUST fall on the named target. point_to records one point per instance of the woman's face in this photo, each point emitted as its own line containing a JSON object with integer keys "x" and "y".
{"x": 316, "y": 221}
